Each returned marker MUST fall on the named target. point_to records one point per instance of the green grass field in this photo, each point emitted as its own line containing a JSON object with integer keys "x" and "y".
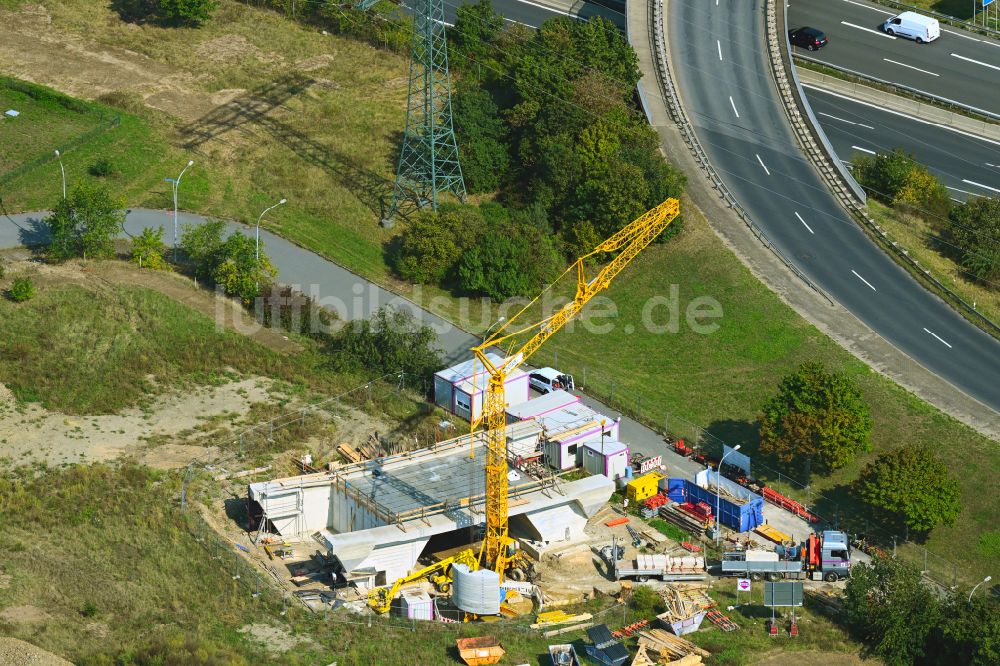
{"x": 43, "y": 125}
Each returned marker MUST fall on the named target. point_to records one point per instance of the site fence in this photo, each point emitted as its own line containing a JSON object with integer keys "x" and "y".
{"x": 834, "y": 512}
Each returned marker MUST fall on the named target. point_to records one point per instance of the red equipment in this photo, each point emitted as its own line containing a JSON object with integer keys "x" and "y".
{"x": 655, "y": 502}
{"x": 700, "y": 511}
{"x": 683, "y": 449}
{"x": 788, "y": 504}
{"x": 687, "y": 545}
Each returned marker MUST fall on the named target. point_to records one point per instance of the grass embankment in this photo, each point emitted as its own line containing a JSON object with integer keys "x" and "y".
{"x": 720, "y": 380}
{"x": 914, "y": 233}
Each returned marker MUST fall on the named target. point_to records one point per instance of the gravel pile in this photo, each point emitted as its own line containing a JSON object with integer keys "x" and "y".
{"x": 14, "y": 652}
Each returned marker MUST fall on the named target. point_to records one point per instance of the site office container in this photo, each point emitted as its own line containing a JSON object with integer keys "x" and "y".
{"x": 644, "y": 486}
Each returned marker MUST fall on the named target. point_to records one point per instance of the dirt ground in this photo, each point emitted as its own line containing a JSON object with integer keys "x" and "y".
{"x": 34, "y": 434}
{"x": 14, "y": 652}
{"x": 815, "y": 659}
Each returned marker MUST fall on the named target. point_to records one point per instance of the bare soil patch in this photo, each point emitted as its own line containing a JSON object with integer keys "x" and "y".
{"x": 816, "y": 659}
{"x": 26, "y": 614}
{"x": 14, "y": 652}
{"x": 274, "y": 639}
{"x": 34, "y": 434}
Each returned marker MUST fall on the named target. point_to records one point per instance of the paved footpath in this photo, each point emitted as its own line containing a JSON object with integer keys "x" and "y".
{"x": 355, "y": 298}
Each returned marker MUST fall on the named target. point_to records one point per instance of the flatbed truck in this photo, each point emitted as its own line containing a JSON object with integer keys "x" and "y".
{"x": 825, "y": 556}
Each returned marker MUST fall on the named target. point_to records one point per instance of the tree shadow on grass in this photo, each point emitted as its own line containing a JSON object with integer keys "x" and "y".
{"x": 254, "y": 111}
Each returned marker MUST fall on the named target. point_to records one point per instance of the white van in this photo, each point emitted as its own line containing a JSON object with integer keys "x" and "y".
{"x": 545, "y": 380}
{"x": 913, "y": 25}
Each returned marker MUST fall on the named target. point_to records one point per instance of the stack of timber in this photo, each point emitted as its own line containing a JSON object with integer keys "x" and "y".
{"x": 552, "y": 618}
{"x": 672, "y": 514}
{"x": 664, "y": 648}
{"x": 686, "y": 608}
{"x": 826, "y": 601}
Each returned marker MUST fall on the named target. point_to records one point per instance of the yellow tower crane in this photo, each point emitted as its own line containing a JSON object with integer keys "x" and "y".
{"x": 627, "y": 243}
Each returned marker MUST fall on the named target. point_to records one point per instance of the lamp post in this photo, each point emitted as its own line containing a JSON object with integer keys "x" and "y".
{"x": 985, "y": 580}
{"x": 176, "y": 183}
{"x": 256, "y": 248}
{"x": 487, "y": 333}
{"x": 718, "y": 493}
{"x": 63, "y": 172}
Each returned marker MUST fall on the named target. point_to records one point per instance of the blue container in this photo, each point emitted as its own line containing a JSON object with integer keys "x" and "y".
{"x": 676, "y": 489}
{"x": 738, "y": 517}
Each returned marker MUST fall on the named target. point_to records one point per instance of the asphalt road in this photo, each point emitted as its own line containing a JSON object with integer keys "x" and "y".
{"x": 957, "y": 66}
{"x": 724, "y": 81}
{"x": 968, "y": 165}
{"x": 533, "y": 14}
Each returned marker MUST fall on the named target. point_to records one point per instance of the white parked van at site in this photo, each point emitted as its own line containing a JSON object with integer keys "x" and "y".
{"x": 913, "y": 25}
{"x": 545, "y": 380}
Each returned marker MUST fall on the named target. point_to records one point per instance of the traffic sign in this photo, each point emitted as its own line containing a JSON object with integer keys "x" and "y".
{"x": 743, "y": 585}
{"x": 987, "y": 3}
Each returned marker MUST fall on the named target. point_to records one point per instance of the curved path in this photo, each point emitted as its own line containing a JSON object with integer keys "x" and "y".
{"x": 724, "y": 81}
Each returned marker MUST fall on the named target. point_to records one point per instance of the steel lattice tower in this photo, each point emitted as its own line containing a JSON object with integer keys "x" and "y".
{"x": 428, "y": 160}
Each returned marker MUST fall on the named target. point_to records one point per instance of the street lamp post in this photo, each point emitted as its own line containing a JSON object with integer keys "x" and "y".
{"x": 985, "y": 580}
{"x": 718, "y": 493}
{"x": 63, "y": 172}
{"x": 487, "y": 333}
{"x": 256, "y": 248}
{"x": 176, "y": 183}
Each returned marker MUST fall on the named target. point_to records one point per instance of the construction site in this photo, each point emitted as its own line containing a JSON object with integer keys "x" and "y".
{"x": 535, "y": 509}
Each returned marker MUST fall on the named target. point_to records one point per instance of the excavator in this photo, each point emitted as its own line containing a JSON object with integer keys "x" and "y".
{"x": 498, "y": 551}
{"x": 380, "y": 598}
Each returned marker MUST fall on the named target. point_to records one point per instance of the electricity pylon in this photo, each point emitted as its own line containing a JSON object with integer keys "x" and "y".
{"x": 428, "y": 160}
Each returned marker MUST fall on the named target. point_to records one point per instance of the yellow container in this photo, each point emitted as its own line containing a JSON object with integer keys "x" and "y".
{"x": 644, "y": 486}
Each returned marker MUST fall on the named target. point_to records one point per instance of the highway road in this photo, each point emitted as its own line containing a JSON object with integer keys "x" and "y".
{"x": 957, "y": 66}
{"x": 968, "y": 165}
{"x": 724, "y": 81}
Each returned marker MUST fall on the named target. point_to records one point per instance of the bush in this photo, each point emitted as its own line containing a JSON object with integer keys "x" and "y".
{"x": 429, "y": 247}
{"x": 147, "y": 249}
{"x": 507, "y": 261}
{"x": 482, "y": 136}
{"x": 22, "y": 290}
{"x": 231, "y": 263}
{"x": 283, "y": 307}
{"x": 391, "y": 341}
{"x": 89, "y": 609}
{"x": 897, "y": 179}
{"x": 103, "y": 168}
{"x": 191, "y": 13}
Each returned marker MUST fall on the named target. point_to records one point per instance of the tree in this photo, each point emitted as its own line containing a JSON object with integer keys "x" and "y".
{"x": 147, "y": 249}
{"x": 911, "y": 485}
{"x": 890, "y": 609}
{"x": 510, "y": 260}
{"x": 816, "y": 414}
{"x": 85, "y": 223}
{"x": 190, "y": 13}
{"x": 885, "y": 174}
{"x": 201, "y": 245}
{"x": 429, "y": 247}
{"x": 391, "y": 341}
{"x": 966, "y": 633}
{"x": 482, "y": 136}
{"x": 476, "y": 27}
{"x": 974, "y": 235}
{"x": 239, "y": 271}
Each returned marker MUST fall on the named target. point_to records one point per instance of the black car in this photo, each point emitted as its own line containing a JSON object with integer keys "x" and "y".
{"x": 809, "y": 38}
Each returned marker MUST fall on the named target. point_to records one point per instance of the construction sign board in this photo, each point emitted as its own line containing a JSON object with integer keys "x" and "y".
{"x": 782, "y": 594}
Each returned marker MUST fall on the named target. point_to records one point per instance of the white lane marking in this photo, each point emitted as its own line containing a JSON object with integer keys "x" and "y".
{"x": 863, "y": 280}
{"x": 978, "y": 62}
{"x": 864, "y": 150}
{"x": 734, "y": 106}
{"x": 875, "y": 9}
{"x": 985, "y": 187}
{"x": 846, "y": 162}
{"x": 804, "y": 223}
{"x": 975, "y": 194}
{"x": 549, "y": 9}
{"x": 990, "y": 165}
{"x": 940, "y": 339}
{"x": 766, "y": 170}
{"x": 903, "y": 115}
{"x": 902, "y": 64}
{"x": 845, "y": 120}
{"x": 861, "y": 27}
{"x": 719, "y": 44}
{"x": 958, "y": 34}
{"x": 957, "y": 200}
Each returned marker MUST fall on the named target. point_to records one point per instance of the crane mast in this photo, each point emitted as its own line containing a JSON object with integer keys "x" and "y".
{"x": 627, "y": 243}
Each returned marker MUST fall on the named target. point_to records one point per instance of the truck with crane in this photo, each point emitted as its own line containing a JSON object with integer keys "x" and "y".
{"x": 825, "y": 556}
